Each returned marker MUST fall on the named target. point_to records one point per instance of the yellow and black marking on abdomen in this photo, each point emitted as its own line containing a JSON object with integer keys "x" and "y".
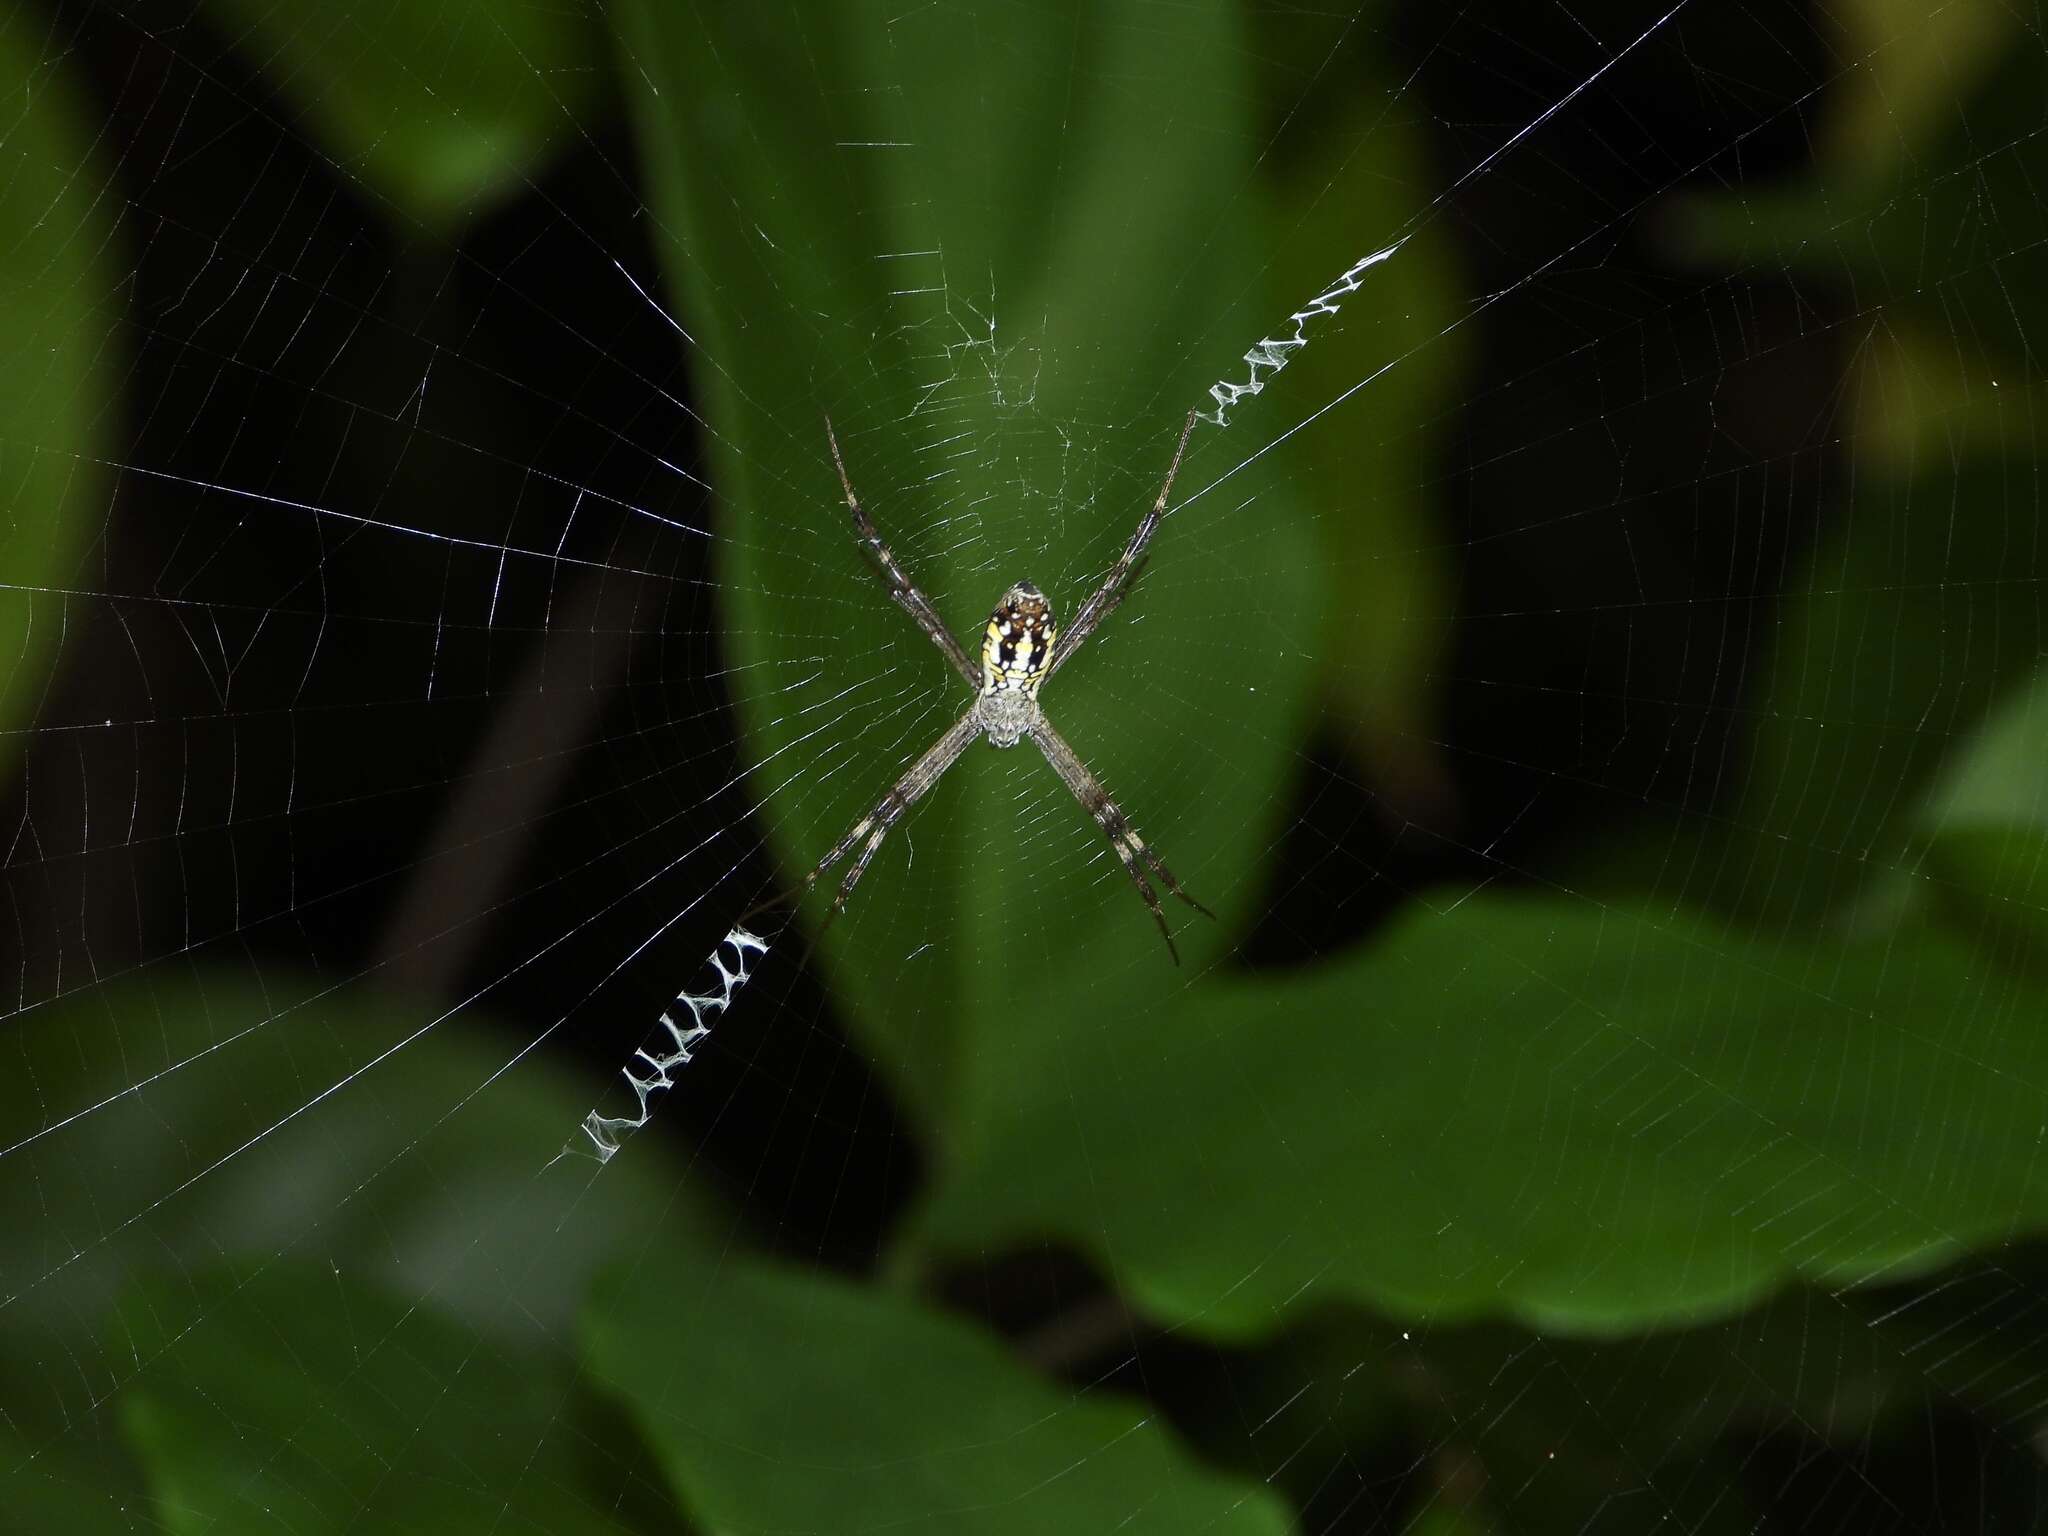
{"x": 1016, "y": 652}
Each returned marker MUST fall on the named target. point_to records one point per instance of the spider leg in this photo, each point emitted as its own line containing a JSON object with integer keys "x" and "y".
{"x": 1131, "y": 850}
{"x": 1144, "y": 886}
{"x": 1126, "y": 587}
{"x": 868, "y": 832}
{"x": 859, "y": 866}
{"x": 901, "y": 588}
{"x": 1103, "y": 601}
{"x": 1158, "y": 864}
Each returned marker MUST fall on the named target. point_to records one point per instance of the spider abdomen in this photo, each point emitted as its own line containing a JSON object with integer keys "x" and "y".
{"x": 1016, "y": 649}
{"x": 1016, "y": 654}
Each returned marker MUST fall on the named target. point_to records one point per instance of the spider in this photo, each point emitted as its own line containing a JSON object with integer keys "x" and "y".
{"x": 1018, "y": 653}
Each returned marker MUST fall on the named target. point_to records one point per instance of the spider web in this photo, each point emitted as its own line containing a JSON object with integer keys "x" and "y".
{"x": 1590, "y": 665}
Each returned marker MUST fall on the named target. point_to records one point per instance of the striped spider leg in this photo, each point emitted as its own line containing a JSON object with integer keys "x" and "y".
{"x": 1103, "y": 601}
{"x": 1019, "y": 650}
{"x": 1116, "y": 826}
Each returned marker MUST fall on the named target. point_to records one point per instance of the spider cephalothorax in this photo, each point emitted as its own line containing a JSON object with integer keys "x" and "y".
{"x": 1018, "y": 653}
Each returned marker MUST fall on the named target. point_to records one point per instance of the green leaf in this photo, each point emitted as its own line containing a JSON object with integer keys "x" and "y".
{"x": 1916, "y": 612}
{"x": 2001, "y": 779}
{"x": 169, "y": 1123}
{"x": 55, "y": 1490}
{"x": 307, "y": 1401}
{"x": 1593, "y": 1119}
{"x": 1900, "y": 633}
{"x": 57, "y": 372}
{"x": 1909, "y": 64}
{"x": 1008, "y": 293}
{"x": 1986, "y": 824}
{"x": 1346, "y": 177}
{"x": 1936, "y": 213}
{"x": 441, "y": 106}
{"x": 788, "y": 1402}
{"x": 1923, "y": 215}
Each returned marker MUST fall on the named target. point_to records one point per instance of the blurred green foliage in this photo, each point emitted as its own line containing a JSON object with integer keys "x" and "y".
{"x": 1088, "y": 248}
{"x": 1591, "y": 1133}
{"x": 1917, "y": 613}
{"x": 1569, "y": 1112}
{"x": 897, "y": 1415}
{"x": 405, "y": 1431}
{"x": 251, "y": 1182}
{"x": 1340, "y": 177}
{"x": 59, "y": 367}
{"x": 1985, "y": 830}
{"x": 439, "y": 110}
